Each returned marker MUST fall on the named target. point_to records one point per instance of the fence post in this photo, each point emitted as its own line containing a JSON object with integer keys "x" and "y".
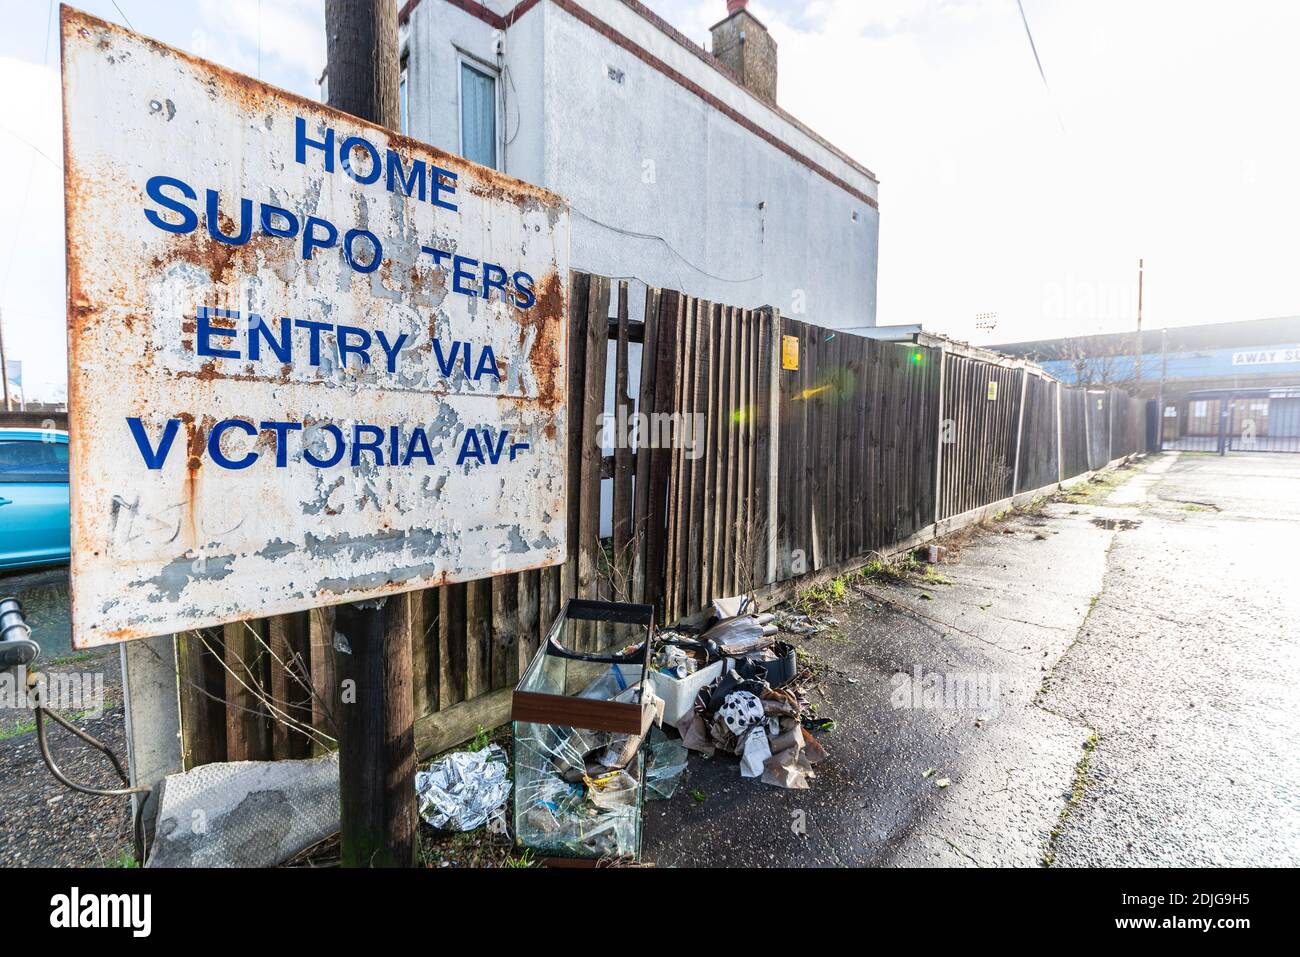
{"x": 1020, "y": 430}
{"x": 1110, "y": 426}
{"x": 1060, "y": 439}
{"x": 149, "y": 669}
{"x": 1087, "y": 430}
{"x": 774, "y": 440}
{"x": 938, "y": 452}
{"x": 377, "y": 734}
{"x": 664, "y": 365}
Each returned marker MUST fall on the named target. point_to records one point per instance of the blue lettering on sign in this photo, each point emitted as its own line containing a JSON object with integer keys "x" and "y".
{"x": 214, "y": 444}
{"x": 390, "y": 348}
{"x": 240, "y": 236}
{"x": 396, "y": 179}
{"x": 317, "y": 234}
{"x": 418, "y": 445}
{"x": 470, "y": 277}
{"x": 481, "y": 448}
{"x": 153, "y": 458}
{"x": 258, "y": 333}
{"x": 360, "y": 248}
{"x": 349, "y": 250}
{"x": 337, "y": 455}
{"x": 175, "y": 206}
{"x": 396, "y": 446}
{"x": 222, "y": 341}
{"x": 270, "y": 214}
{"x": 205, "y": 331}
{"x": 360, "y": 348}
{"x": 412, "y": 185}
{"x": 281, "y": 430}
{"x": 214, "y": 340}
{"x": 368, "y": 445}
{"x": 154, "y": 190}
{"x": 349, "y": 149}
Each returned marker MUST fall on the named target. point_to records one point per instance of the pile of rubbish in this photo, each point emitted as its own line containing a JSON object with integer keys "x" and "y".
{"x": 579, "y": 790}
{"x": 597, "y": 732}
{"x": 582, "y": 713}
{"x": 748, "y": 704}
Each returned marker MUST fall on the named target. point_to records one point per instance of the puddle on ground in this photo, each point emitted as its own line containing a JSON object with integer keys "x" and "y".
{"x": 45, "y": 603}
{"x": 1116, "y": 524}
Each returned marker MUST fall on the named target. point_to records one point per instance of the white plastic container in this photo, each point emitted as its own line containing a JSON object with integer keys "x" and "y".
{"x": 679, "y": 693}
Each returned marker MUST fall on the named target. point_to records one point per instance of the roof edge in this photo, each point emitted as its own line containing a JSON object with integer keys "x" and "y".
{"x": 501, "y": 21}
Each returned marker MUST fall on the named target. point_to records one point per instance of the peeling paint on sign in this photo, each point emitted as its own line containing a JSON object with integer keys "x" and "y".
{"x": 310, "y": 361}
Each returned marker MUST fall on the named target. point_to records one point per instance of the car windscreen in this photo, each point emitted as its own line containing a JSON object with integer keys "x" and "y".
{"x": 33, "y": 460}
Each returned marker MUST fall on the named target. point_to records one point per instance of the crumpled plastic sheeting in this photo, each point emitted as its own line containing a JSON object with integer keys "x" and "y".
{"x": 253, "y": 813}
{"x": 764, "y": 730}
{"x": 665, "y": 765}
{"x": 794, "y": 752}
{"x": 461, "y": 791}
{"x": 754, "y": 751}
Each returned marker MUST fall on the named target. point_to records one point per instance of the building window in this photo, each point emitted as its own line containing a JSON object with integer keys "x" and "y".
{"x": 403, "y": 97}
{"x": 478, "y": 115}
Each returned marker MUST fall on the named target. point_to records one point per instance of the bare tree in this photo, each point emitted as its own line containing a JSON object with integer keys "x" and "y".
{"x": 1100, "y": 361}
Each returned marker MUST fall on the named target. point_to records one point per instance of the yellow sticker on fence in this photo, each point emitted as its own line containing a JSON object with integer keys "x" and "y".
{"x": 993, "y": 391}
{"x": 789, "y": 352}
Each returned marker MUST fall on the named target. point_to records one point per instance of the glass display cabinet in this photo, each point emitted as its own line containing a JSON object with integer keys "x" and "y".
{"x": 579, "y": 720}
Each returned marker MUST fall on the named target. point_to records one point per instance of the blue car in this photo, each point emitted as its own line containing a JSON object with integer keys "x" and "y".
{"x": 33, "y": 498}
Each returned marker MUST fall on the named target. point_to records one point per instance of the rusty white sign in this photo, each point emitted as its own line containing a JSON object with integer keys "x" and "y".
{"x": 310, "y": 361}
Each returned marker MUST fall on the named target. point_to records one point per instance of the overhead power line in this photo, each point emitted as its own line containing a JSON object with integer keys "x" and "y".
{"x": 123, "y": 15}
{"x": 1039, "y": 63}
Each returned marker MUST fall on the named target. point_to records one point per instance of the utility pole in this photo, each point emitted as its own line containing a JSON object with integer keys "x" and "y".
{"x": 4, "y": 368}
{"x": 377, "y": 721}
{"x": 1138, "y": 353}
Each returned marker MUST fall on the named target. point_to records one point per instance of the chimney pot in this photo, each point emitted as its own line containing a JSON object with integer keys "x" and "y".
{"x": 735, "y": 6}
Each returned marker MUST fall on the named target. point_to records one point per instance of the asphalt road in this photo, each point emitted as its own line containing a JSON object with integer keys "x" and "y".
{"x": 1189, "y": 669}
{"x": 1104, "y": 682}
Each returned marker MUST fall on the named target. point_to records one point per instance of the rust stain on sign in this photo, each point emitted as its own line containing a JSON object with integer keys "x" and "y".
{"x": 310, "y": 360}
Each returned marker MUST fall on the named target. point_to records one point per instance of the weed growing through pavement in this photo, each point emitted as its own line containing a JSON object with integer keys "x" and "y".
{"x": 481, "y": 739}
{"x": 1077, "y": 787}
{"x": 123, "y": 859}
{"x": 901, "y": 569}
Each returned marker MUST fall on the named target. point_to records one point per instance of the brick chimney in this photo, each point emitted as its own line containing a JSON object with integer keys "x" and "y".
{"x": 743, "y": 43}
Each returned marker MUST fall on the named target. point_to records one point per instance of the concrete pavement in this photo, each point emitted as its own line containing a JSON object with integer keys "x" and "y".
{"x": 1101, "y": 681}
{"x": 1189, "y": 669}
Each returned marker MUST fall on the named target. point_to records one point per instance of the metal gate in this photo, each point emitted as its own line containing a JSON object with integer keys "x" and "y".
{"x": 1233, "y": 420}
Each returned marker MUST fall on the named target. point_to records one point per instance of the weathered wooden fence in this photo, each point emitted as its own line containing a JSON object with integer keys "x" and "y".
{"x": 1074, "y": 432}
{"x": 981, "y": 406}
{"x": 858, "y": 435}
{"x": 1039, "y": 463}
{"x": 721, "y": 468}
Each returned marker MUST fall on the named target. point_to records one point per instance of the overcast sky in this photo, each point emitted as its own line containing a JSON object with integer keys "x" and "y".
{"x": 1167, "y": 131}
